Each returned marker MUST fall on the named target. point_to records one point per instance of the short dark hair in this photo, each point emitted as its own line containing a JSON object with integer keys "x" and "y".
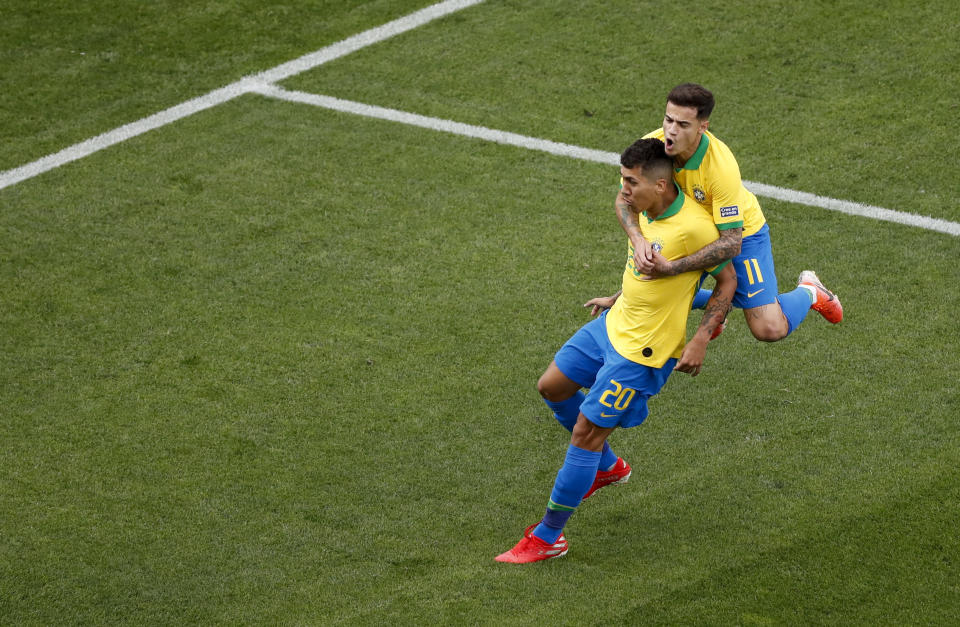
{"x": 650, "y": 156}
{"x": 693, "y": 95}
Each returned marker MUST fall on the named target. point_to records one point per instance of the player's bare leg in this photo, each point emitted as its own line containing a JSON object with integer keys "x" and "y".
{"x": 589, "y": 436}
{"x": 555, "y": 386}
{"x": 767, "y": 322}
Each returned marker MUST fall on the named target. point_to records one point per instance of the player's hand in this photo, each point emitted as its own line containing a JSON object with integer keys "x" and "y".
{"x": 600, "y": 304}
{"x": 643, "y": 255}
{"x": 691, "y": 359}
{"x": 659, "y": 266}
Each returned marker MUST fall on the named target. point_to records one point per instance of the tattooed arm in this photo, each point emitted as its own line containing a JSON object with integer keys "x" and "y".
{"x": 713, "y": 254}
{"x": 691, "y": 360}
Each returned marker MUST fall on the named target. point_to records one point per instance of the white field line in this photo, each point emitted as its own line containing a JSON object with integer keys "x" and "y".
{"x": 854, "y": 208}
{"x": 224, "y": 94}
{"x": 436, "y": 124}
{"x": 598, "y": 156}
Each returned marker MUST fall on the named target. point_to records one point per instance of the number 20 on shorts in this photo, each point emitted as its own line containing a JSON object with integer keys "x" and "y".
{"x": 622, "y": 396}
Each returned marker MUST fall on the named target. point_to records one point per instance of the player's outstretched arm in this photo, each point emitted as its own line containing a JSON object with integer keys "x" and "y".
{"x": 602, "y": 303}
{"x": 691, "y": 360}
{"x": 727, "y": 246}
{"x": 630, "y": 221}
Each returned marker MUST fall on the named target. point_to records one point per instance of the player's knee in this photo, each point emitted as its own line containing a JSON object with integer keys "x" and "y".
{"x": 546, "y": 390}
{"x": 551, "y": 391}
{"x": 767, "y": 323}
{"x": 769, "y": 331}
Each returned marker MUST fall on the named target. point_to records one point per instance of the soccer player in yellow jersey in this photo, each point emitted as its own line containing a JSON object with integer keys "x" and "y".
{"x": 706, "y": 170}
{"x": 625, "y": 355}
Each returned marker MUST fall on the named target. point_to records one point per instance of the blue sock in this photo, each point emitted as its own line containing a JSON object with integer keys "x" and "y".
{"x": 573, "y": 480}
{"x": 700, "y": 298}
{"x": 795, "y": 306}
{"x": 566, "y": 412}
{"x": 607, "y": 457}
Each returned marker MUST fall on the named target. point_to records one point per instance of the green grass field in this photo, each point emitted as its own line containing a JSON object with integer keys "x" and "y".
{"x": 276, "y": 364}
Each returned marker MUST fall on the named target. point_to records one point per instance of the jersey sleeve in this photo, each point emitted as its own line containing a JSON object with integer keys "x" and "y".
{"x": 726, "y": 192}
{"x": 716, "y": 269}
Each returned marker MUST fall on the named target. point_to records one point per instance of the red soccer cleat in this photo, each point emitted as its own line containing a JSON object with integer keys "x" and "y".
{"x": 620, "y": 474}
{"x": 533, "y": 549}
{"x": 827, "y": 304}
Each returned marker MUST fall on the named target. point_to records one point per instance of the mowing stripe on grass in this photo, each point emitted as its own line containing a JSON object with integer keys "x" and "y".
{"x": 598, "y": 156}
{"x": 262, "y": 83}
{"x": 117, "y": 135}
{"x": 224, "y": 94}
{"x": 364, "y": 39}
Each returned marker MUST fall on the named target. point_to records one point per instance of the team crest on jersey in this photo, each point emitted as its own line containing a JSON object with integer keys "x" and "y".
{"x": 729, "y": 212}
{"x": 699, "y": 194}
{"x": 656, "y": 245}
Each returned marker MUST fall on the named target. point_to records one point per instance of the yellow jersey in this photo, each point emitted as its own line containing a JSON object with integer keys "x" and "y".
{"x": 712, "y": 178}
{"x": 648, "y": 323}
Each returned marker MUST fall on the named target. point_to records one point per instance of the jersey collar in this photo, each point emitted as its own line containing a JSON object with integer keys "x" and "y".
{"x": 672, "y": 209}
{"x": 694, "y": 162}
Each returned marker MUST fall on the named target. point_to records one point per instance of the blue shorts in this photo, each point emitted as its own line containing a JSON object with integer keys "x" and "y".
{"x": 619, "y": 388}
{"x": 756, "y": 277}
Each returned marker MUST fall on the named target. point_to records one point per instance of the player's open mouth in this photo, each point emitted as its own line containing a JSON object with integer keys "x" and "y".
{"x": 668, "y": 142}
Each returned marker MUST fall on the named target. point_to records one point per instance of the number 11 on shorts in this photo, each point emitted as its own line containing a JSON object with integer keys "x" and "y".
{"x": 750, "y": 274}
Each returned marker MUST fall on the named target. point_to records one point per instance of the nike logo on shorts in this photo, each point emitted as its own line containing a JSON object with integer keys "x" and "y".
{"x": 752, "y": 294}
